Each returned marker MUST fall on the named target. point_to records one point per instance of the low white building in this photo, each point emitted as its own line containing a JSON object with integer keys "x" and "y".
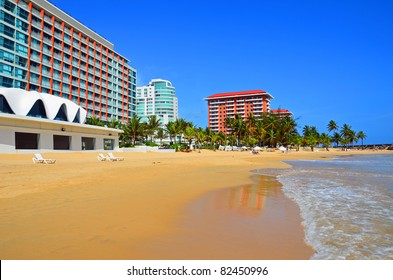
{"x": 33, "y": 121}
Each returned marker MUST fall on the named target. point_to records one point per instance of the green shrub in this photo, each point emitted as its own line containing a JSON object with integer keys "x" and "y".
{"x": 151, "y": 144}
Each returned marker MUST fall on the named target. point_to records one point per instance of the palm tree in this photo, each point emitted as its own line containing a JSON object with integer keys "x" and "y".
{"x": 160, "y": 134}
{"x": 259, "y": 132}
{"x": 348, "y": 135}
{"x": 94, "y": 121}
{"x": 134, "y": 128}
{"x": 152, "y": 125}
{"x": 222, "y": 138}
{"x": 251, "y": 122}
{"x": 237, "y": 127}
{"x": 200, "y": 137}
{"x": 361, "y": 136}
{"x": 114, "y": 123}
{"x": 286, "y": 128}
{"x": 324, "y": 139}
{"x": 270, "y": 137}
{"x": 209, "y": 133}
{"x": 231, "y": 139}
{"x": 296, "y": 140}
{"x": 310, "y": 136}
{"x": 270, "y": 121}
{"x": 172, "y": 130}
{"x": 189, "y": 134}
{"x": 180, "y": 126}
{"x": 336, "y": 138}
{"x": 214, "y": 138}
{"x": 332, "y": 126}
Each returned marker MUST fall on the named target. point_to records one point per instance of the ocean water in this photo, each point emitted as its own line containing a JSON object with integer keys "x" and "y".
{"x": 346, "y": 205}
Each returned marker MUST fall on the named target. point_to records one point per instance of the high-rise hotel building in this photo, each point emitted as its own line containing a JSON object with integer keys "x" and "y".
{"x": 157, "y": 98}
{"x": 228, "y": 104}
{"x": 44, "y": 49}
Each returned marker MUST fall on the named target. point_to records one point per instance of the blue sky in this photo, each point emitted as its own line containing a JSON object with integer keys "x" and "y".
{"x": 322, "y": 60}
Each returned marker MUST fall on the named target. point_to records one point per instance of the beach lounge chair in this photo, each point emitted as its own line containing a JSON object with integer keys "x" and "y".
{"x": 101, "y": 157}
{"x": 113, "y": 158}
{"x": 39, "y": 159}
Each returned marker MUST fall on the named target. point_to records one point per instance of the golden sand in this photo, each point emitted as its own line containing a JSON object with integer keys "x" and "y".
{"x": 149, "y": 206}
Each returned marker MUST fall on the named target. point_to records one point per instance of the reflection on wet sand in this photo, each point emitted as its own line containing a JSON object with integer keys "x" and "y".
{"x": 253, "y": 221}
{"x": 247, "y": 200}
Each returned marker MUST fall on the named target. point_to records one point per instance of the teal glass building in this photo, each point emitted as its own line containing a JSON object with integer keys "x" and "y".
{"x": 157, "y": 98}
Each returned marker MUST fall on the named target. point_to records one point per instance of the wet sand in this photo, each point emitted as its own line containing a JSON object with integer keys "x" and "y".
{"x": 150, "y": 206}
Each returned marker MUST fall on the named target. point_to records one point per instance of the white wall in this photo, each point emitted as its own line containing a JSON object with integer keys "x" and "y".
{"x": 9, "y": 124}
{"x": 7, "y": 140}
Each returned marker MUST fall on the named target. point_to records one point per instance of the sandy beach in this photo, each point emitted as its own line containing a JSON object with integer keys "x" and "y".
{"x": 150, "y": 206}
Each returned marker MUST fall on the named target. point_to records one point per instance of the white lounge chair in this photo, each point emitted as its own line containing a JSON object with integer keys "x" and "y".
{"x": 113, "y": 158}
{"x": 39, "y": 159}
{"x": 101, "y": 157}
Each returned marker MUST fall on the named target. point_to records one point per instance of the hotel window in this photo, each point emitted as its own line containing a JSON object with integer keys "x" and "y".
{"x": 20, "y": 61}
{"x": 7, "y": 18}
{"x": 7, "y": 43}
{"x": 6, "y": 82}
{"x": 21, "y": 49}
{"x": 21, "y": 25}
{"x": 7, "y": 30}
{"x": 21, "y": 37}
{"x": 33, "y": 78}
{"x": 67, "y": 38}
{"x": 22, "y": 13}
{"x": 19, "y": 73}
{"x": 8, "y": 5}
{"x": 19, "y": 84}
{"x": 56, "y": 64}
{"x": 6, "y": 56}
{"x": 6, "y": 69}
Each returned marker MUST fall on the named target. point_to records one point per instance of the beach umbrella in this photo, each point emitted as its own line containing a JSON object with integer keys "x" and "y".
{"x": 256, "y": 148}
{"x": 282, "y": 148}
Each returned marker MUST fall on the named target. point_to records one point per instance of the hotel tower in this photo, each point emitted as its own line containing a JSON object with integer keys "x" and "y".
{"x": 45, "y": 50}
{"x": 157, "y": 98}
{"x": 229, "y": 104}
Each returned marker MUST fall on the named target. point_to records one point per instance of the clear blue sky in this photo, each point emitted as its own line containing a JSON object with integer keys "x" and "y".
{"x": 322, "y": 60}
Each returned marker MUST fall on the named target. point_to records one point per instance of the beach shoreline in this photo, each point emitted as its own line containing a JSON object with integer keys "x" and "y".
{"x": 80, "y": 208}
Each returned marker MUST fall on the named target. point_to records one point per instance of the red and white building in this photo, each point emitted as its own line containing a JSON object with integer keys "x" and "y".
{"x": 281, "y": 112}
{"x": 44, "y": 49}
{"x": 228, "y": 104}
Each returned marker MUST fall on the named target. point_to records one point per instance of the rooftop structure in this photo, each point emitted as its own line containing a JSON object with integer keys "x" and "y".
{"x": 281, "y": 112}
